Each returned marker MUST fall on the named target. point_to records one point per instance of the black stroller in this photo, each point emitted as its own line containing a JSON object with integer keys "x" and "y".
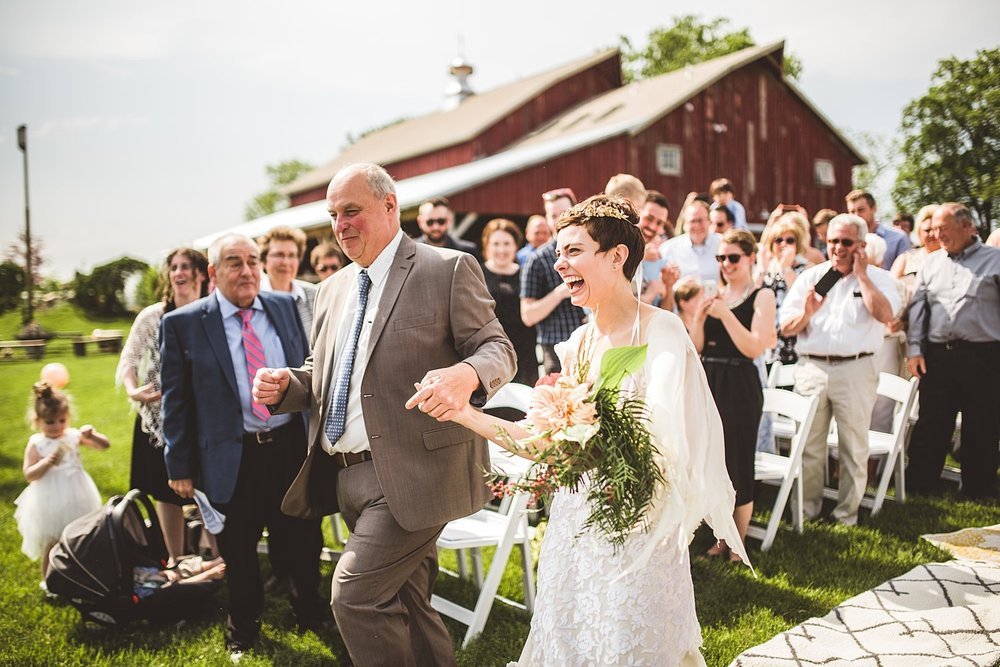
{"x": 95, "y": 562}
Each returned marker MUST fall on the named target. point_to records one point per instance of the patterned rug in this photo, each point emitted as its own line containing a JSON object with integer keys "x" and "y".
{"x": 970, "y": 543}
{"x": 937, "y": 614}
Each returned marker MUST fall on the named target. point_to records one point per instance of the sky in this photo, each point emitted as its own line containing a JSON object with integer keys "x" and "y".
{"x": 150, "y": 124}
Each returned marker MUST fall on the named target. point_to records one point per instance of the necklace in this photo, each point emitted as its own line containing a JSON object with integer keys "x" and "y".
{"x": 743, "y": 297}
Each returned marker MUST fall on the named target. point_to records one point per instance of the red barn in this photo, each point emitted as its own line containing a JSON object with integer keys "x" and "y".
{"x": 736, "y": 116}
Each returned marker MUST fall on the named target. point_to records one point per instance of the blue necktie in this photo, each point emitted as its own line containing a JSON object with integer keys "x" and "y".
{"x": 338, "y": 402}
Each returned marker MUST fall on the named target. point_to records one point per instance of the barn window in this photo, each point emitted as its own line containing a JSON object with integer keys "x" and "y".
{"x": 823, "y": 171}
{"x": 668, "y": 159}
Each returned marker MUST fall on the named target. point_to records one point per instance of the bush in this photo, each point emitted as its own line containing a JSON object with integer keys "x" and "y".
{"x": 103, "y": 291}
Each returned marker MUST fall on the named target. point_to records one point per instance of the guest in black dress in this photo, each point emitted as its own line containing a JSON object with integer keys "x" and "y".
{"x": 731, "y": 330}
{"x": 501, "y": 239}
{"x": 184, "y": 279}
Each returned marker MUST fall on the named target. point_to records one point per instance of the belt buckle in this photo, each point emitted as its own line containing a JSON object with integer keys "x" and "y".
{"x": 949, "y": 345}
{"x": 343, "y": 459}
{"x": 264, "y": 437}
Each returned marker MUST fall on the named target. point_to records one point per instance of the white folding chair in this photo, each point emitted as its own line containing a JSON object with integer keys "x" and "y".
{"x": 784, "y": 471}
{"x": 889, "y": 447}
{"x": 782, "y": 377}
{"x": 503, "y": 529}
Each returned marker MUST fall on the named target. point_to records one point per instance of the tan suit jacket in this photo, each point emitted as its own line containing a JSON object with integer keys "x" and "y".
{"x": 435, "y": 311}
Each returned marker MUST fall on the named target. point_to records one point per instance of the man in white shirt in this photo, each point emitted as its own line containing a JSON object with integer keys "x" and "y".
{"x": 690, "y": 254}
{"x": 838, "y": 334}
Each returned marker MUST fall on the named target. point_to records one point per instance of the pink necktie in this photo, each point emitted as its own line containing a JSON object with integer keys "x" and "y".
{"x": 254, "y": 352}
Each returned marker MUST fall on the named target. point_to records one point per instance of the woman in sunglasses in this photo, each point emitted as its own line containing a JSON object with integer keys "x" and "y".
{"x": 731, "y": 330}
{"x": 782, "y": 259}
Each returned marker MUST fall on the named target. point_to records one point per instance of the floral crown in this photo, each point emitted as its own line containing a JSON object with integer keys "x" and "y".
{"x": 600, "y": 207}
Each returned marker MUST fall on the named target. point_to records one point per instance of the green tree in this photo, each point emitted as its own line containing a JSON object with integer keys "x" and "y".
{"x": 689, "y": 41}
{"x": 951, "y": 140}
{"x": 11, "y": 285}
{"x": 875, "y": 176}
{"x": 274, "y": 199}
{"x": 103, "y": 291}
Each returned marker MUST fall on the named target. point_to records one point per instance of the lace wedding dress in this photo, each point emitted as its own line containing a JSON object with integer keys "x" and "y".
{"x": 636, "y": 606}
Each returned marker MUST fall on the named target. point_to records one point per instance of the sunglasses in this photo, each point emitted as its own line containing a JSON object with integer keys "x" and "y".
{"x": 847, "y": 243}
{"x": 733, "y": 259}
{"x": 787, "y": 240}
{"x": 327, "y": 267}
{"x": 430, "y": 222}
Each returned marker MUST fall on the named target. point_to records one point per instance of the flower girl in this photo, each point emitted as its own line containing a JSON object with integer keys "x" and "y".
{"x": 59, "y": 489}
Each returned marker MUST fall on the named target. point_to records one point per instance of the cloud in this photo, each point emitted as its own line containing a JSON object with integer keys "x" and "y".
{"x": 78, "y": 124}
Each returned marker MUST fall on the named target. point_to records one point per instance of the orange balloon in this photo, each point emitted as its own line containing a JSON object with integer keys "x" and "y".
{"x": 56, "y": 375}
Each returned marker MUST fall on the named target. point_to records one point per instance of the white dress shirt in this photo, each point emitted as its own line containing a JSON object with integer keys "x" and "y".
{"x": 693, "y": 260}
{"x": 355, "y": 437}
{"x": 842, "y": 326}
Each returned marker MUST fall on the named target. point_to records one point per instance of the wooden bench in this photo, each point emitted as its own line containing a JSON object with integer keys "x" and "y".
{"x": 107, "y": 340}
{"x": 34, "y": 348}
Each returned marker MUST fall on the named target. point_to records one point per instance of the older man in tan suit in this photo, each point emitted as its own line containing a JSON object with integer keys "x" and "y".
{"x": 396, "y": 476}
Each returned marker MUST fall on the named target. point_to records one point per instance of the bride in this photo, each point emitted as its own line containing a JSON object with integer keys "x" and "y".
{"x": 635, "y": 605}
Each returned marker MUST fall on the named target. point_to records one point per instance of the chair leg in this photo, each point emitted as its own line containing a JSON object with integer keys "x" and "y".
{"x": 477, "y": 566}
{"x": 528, "y": 576}
{"x": 463, "y": 568}
{"x": 888, "y": 467}
{"x": 779, "y": 509}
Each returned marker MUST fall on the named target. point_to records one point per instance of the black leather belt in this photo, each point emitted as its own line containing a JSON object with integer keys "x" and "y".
{"x": 729, "y": 361}
{"x": 964, "y": 344}
{"x": 342, "y": 460}
{"x": 831, "y": 359}
{"x": 266, "y": 437}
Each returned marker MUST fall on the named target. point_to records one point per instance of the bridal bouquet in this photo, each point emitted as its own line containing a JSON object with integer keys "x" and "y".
{"x": 594, "y": 436}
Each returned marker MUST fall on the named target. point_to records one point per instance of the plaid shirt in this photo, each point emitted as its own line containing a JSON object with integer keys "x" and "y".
{"x": 538, "y": 278}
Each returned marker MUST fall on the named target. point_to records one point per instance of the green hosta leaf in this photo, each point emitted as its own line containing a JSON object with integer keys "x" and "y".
{"x": 616, "y": 364}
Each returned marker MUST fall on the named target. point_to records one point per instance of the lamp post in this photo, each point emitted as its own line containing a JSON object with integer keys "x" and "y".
{"x": 29, "y": 311}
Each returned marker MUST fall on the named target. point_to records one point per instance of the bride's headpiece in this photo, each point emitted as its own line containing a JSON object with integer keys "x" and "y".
{"x": 601, "y": 206}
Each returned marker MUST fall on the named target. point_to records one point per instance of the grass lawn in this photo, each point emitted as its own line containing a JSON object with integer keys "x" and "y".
{"x": 801, "y": 576}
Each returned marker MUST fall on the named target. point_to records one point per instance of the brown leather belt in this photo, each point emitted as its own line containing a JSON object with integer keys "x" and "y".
{"x": 834, "y": 359}
{"x": 342, "y": 460}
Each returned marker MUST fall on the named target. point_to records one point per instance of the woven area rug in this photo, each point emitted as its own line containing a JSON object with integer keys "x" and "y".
{"x": 936, "y": 614}
{"x": 970, "y": 543}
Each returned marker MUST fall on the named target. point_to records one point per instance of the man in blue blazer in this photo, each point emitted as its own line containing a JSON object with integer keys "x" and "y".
{"x": 240, "y": 455}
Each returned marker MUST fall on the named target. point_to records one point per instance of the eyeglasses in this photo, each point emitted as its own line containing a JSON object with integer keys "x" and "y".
{"x": 430, "y": 222}
{"x": 733, "y": 259}
{"x": 787, "y": 240}
{"x": 559, "y": 193}
{"x": 847, "y": 243}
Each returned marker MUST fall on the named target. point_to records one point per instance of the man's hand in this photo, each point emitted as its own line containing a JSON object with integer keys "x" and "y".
{"x": 182, "y": 487}
{"x": 444, "y": 391}
{"x": 917, "y": 366}
{"x": 270, "y": 385}
{"x": 860, "y": 264}
{"x": 812, "y": 304}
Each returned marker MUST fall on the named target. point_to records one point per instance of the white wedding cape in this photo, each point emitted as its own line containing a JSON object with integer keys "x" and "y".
{"x": 596, "y": 606}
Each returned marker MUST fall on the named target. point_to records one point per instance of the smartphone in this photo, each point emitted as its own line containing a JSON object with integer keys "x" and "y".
{"x": 789, "y": 207}
{"x": 710, "y": 288}
{"x": 827, "y": 282}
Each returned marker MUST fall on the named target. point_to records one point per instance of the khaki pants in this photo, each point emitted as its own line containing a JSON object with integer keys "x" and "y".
{"x": 846, "y": 391}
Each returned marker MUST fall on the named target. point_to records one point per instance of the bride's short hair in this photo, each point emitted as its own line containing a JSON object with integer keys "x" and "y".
{"x": 610, "y": 220}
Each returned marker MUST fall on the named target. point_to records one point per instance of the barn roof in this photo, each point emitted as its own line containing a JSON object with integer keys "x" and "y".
{"x": 425, "y": 134}
{"x": 413, "y": 191}
{"x": 641, "y": 104}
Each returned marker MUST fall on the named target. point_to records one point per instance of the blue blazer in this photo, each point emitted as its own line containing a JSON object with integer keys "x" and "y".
{"x": 202, "y": 416}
